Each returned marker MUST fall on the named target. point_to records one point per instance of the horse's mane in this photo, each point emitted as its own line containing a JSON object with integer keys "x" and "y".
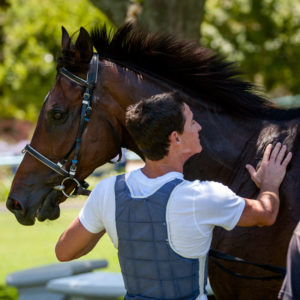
{"x": 189, "y": 67}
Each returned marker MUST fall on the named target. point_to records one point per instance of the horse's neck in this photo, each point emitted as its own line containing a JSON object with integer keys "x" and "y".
{"x": 121, "y": 87}
{"x": 224, "y": 137}
{"x": 229, "y": 143}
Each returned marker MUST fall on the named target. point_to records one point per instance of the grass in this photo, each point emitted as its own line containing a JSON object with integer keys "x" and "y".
{"x": 26, "y": 247}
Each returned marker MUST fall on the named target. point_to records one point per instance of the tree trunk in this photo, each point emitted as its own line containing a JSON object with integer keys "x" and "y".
{"x": 115, "y": 10}
{"x": 179, "y": 17}
{"x": 4, "y": 4}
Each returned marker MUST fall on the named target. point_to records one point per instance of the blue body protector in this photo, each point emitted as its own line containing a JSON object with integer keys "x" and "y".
{"x": 150, "y": 268}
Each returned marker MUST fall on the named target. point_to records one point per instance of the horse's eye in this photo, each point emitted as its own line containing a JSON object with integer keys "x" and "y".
{"x": 57, "y": 115}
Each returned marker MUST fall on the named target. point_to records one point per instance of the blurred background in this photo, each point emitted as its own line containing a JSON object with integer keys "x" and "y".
{"x": 261, "y": 36}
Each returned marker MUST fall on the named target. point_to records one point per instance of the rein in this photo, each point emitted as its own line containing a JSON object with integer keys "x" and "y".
{"x": 215, "y": 254}
{"x": 86, "y": 111}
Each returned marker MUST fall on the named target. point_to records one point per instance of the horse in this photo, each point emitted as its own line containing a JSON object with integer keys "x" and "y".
{"x": 131, "y": 64}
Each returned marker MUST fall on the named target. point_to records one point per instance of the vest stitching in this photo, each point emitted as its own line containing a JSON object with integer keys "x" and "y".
{"x": 137, "y": 283}
{"x": 170, "y": 188}
{"x": 176, "y": 285}
{"x": 155, "y": 248}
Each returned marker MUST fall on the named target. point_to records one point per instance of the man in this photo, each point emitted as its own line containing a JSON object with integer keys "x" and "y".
{"x": 290, "y": 289}
{"x": 162, "y": 224}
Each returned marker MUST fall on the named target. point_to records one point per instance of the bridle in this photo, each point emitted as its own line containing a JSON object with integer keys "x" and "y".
{"x": 86, "y": 111}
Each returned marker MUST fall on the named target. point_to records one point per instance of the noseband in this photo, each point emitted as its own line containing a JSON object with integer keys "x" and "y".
{"x": 86, "y": 110}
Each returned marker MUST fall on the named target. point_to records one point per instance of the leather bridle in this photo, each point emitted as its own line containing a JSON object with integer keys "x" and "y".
{"x": 86, "y": 110}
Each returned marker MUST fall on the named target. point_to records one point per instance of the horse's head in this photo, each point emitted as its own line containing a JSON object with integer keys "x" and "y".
{"x": 67, "y": 132}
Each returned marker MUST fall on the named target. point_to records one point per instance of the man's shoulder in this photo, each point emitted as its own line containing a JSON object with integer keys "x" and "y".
{"x": 106, "y": 183}
{"x": 204, "y": 186}
{"x": 203, "y": 191}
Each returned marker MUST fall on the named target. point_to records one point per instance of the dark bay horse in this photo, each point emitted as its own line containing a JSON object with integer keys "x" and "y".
{"x": 237, "y": 124}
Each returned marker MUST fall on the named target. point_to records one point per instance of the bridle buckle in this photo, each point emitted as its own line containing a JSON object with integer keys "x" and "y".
{"x": 62, "y": 187}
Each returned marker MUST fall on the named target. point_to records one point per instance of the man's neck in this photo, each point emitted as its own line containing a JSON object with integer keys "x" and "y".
{"x": 153, "y": 169}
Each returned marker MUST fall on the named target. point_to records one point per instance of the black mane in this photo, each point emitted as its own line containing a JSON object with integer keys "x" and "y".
{"x": 196, "y": 70}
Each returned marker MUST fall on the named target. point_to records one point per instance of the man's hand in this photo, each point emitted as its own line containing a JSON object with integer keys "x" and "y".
{"x": 273, "y": 167}
{"x": 263, "y": 211}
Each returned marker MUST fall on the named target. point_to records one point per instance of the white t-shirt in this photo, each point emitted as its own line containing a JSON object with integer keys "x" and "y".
{"x": 194, "y": 209}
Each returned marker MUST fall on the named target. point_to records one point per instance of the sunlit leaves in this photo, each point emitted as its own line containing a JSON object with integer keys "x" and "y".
{"x": 32, "y": 37}
{"x": 262, "y": 35}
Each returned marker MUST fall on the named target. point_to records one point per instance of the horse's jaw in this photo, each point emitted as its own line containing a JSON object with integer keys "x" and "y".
{"x": 49, "y": 208}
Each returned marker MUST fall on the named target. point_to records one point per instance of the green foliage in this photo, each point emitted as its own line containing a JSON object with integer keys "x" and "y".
{"x": 263, "y": 35}
{"x": 6, "y": 177}
{"x": 32, "y": 35}
{"x": 8, "y": 293}
{"x": 4, "y": 188}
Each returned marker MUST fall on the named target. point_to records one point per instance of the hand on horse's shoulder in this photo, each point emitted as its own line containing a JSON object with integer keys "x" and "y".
{"x": 272, "y": 169}
{"x": 263, "y": 211}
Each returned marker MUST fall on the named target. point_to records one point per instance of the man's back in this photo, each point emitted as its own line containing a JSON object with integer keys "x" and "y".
{"x": 194, "y": 208}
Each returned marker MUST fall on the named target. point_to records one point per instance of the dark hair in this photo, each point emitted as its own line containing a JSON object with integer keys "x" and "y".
{"x": 151, "y": 121}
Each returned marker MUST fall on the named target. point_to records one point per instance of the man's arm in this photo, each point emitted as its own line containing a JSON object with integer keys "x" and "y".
{"x": 76, "y": 241}
{"x": 264, "y": 210}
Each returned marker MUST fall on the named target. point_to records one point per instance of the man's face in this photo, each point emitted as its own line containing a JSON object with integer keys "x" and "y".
{"x": 190, "y": 136}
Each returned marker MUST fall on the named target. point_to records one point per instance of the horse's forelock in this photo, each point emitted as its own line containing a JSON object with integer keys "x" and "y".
{"x": 69, "y": 61}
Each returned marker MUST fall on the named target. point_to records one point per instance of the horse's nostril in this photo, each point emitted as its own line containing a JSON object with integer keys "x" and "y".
{"x": 13, "y": 205}
{"x": 17, "y": 205}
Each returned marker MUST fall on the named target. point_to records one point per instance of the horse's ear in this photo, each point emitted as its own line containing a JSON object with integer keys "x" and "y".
{"x": 66, "y": 42}
{"x": 84, "y": 45}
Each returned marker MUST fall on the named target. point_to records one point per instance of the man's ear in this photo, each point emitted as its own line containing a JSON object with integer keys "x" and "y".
{"x": 174, "y": 137}
{"x": 84, "y": 46}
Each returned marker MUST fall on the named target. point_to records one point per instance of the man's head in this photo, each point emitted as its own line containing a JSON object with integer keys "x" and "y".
{"x": 153, "y": 123}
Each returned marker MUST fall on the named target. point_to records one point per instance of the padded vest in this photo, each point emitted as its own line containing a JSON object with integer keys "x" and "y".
{"x": 150, "y": 268}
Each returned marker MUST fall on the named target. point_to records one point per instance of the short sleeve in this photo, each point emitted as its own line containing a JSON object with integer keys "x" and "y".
{"x": 217, "y": 205}
{"x": 91, "y": 215}
{"x": 194, "y": 209}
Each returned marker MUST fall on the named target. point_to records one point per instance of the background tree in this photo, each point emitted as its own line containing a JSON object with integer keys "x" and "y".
{"x": 115, "y": 10}
{"x": 262, "y": 35}
{"x": 31, "y": 35}
{"x": 179, "y": 17}
{"x": 3, "y": 6}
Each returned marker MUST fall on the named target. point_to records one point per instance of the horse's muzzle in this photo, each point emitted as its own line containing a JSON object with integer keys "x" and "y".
{"x": 19, "y": 211}
{"x": 46, "y": 208}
